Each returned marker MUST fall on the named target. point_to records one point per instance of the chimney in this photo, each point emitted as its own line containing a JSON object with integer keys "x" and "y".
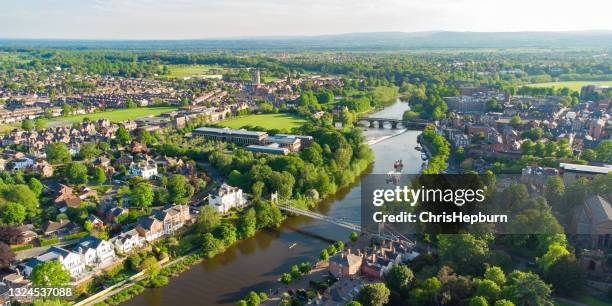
{"x": 348, "y": 251}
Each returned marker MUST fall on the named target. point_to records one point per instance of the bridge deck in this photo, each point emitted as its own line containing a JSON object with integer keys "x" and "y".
{"x": 339, "y": 222}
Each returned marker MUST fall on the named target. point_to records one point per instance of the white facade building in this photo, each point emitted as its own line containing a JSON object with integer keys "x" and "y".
{"x": 95, "y": 251}
{"x": 226, "y": 198}
{"x": 144, "y": 169}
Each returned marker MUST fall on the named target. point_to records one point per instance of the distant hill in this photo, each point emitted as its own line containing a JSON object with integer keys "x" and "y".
{"x": 380, "y": 41}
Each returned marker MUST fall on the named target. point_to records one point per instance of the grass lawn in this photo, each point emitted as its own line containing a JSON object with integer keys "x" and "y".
{"x": 182, "y": 71}
{"x": 573, "y": 85}
{"x": 267, "y": 121}
{"x": 268, "y": 79}
{"x": 115, "y": 115}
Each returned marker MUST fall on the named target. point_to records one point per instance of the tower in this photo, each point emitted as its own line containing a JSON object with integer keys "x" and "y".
{"x": 256, "y": 78}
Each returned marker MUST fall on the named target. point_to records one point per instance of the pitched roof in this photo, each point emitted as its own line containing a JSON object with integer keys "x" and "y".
{"x": 600, "y": 209}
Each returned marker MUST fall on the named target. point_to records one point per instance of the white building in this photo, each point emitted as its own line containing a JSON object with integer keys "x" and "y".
{"x": 22, "y": 163}
{"x": 127, "y": 241}
{"x": 95, "y": 251}
{"x": 226, "y": 198}
{"x": 71, "y": 261}
{"x": 144, "y": 169}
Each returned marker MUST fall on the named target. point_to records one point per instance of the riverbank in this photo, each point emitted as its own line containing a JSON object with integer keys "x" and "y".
{"x": 255, "y": 264}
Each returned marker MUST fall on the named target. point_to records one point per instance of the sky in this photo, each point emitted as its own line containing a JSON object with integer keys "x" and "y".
{"x": 200, "y": 19}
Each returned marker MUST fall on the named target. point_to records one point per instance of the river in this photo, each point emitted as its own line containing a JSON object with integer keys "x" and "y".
{"x": 255, "y": 264}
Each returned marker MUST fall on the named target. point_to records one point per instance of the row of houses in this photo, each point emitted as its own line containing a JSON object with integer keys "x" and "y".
{"x": 372, "y": 263}
{"x": 88, "y": 255}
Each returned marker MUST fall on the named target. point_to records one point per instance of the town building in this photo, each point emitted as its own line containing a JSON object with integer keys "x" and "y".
{"x": 163, "y": 222}
{"x": 226, "y": 198}
{"x": 125, "y": 242}
{"x": 145, "y": 169}
{"x": 241, "y": 137}
{"x": 593, "y": 222}
{"x": 345, "y": 265}
{"x": 95, "y": 251}
{"x": 572, "y": 172}
{"x": 71, "y": 261}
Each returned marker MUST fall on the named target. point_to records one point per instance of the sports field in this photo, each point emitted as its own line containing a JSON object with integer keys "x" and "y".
{"x": 267, "y": 121}
{"x": 573, "y": 85}
{"x": 182, "y": 71}
{"x": 116, "y": 115}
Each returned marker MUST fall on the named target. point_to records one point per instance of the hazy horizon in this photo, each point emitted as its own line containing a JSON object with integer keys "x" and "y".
{"x": 222, "y": 19}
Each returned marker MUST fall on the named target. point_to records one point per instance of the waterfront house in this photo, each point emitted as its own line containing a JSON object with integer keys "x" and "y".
{"x": 345, "y": 265}
{"x": 163, "y": 222}
{"x": 71, "y": 261}
{"x": 226, "y": 198}
{"x": 127, "y": 241}
{"x": 95, "y": 251}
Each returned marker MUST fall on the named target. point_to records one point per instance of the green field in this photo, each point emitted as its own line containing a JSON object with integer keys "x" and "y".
{"x": 182, "y": 71}
{"x": 267, "y": 121}
{"x": 116, "y": 115}
{"x": 573, "y": 85}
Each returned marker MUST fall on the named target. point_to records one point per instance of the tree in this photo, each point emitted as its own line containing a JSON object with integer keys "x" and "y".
{"x": 515, "y": 121}
{"x": 555, "y": 252}
{"x": 247, "y": 224}
{"x": 241, "y": 303}
{"x": 36, "y": 186}
{"x": 123, "y": 135}
{"x": 40, "y": 124}
{"x": 399, "y": 279}
{"x": 27, "y": 125}
{"x": 21, "y": 194}
{"x": 604, "y": 151}
{"x": 6, "y": 255}
{"x": 353, "y": 236}
{"x": 179, "y": 190}
{"x": 208, "y": 220}
{"x": 76, "y": 173}
{"x": 141, "y": 195}
{"x": 57, "y": 153}
{"x": 286, "y": 278}
{"x": 11, "y": 234}
{"x": 226, "y": 232}
{"x": 49, "y": 273}
{"x": 373, "y": 294}
{"x": 13, "y": 213}
{"x": 478, "y": 301}
{"x": 150, "y": 266}
{"x": 566, "y": 276}
{"x": 464, "y": 252}
{"x": 253, "y": 299}
{"x": 66, "y": 109}
{"x": 425, "y": 293}
{"x": 495, "y": 274}
{"x": 99, "y": 176}
{"x": 554, "y": 190}
{"x": 526, "y": 288}
{"x": 89, "y": 150}
{"x": 324, "y": 255}
{"x": 210, "y": 245}
{"x": 353, "y": 303}
{"x": 258, "y": 188}
{"x": 503, "y": 303}
{"x": 487, "y": 289}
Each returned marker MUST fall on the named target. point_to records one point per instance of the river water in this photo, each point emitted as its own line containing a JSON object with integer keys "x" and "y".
{"x": 255, "y": 264}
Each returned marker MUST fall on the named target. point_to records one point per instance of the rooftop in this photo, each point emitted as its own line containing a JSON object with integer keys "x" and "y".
{"x": 586, "y": 168}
